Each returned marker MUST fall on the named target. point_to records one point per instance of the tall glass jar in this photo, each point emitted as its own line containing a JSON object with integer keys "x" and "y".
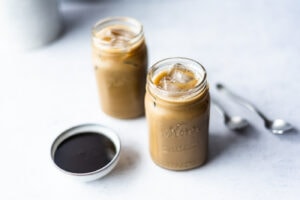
{"x": 120, "y": 60}
{"x": 177, "y": 105}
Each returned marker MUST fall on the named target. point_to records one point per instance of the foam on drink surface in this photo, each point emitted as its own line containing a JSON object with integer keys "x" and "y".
{"x": 177, "y": 79}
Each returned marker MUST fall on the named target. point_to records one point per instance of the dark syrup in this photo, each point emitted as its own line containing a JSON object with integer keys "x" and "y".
{"x": 85, "y": 152}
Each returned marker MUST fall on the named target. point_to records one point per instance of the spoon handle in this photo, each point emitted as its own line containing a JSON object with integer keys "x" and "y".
{"x": 220, "y": 109}
{"x": 241, "y": 101}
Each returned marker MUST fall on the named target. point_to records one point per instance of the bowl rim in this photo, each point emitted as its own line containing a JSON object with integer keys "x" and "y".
{"x": 81, "y": 129}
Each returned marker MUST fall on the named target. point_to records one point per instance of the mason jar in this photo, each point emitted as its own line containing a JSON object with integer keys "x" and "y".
{"x": 120, "y": 60}
{"x": 177, "y": 106}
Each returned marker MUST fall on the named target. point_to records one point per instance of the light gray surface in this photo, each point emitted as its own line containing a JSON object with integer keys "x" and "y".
{"x": 251, "y": 46}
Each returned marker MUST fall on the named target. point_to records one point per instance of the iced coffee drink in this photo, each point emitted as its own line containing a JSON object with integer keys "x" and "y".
{"x": 177, "y": 110}
{"x": 120, "y": 60}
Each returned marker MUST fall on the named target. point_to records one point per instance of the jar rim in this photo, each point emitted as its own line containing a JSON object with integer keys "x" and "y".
{"x": 118, "y": 20}
{"x": 179, "y": 95}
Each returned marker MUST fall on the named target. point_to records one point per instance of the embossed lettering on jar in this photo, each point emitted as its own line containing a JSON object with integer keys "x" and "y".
{"x": 177, "y": 109}
{"x": 120, "y": 60}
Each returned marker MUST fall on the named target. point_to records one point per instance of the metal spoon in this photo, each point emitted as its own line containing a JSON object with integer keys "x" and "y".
{"x": 235, "y": 123}
{"x": 277, "y": 126}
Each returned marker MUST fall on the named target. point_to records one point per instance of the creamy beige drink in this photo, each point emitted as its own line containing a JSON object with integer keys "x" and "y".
{"x": 120, "y": 60}
{"x": 177, "y": 109}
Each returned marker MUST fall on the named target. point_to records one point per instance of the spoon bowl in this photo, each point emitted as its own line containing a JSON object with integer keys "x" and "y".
{"x": 279, "y": 126}
{"x": 236, "y": 123}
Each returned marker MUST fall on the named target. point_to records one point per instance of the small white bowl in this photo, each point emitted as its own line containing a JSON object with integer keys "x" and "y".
{"x": 81, "y": 129}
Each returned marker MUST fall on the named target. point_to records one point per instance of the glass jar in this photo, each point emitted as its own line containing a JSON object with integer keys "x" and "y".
{"x": 177, "y": 105}
{"x": 120, "y": 60}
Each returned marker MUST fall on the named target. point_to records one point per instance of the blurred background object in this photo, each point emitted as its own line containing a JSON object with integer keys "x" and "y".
{"x": 29, "y": 24}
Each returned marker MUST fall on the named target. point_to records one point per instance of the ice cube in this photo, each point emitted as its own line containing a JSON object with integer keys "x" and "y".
{"x": 116, "y": 36}
{"x": 179, "y": 74}
{"x": 122, "y": 33}
{"x": 177, "y": 79}
{"x": 167, "y": 84}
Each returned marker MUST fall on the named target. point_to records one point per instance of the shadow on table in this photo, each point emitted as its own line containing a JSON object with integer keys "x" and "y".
{"x": 292, "y": 136}
{"x": 220, "y": 143}
{"x": 129, "y": 158}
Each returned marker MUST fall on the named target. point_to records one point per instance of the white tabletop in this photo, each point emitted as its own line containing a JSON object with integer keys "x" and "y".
{"x": 251, "y": 46}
